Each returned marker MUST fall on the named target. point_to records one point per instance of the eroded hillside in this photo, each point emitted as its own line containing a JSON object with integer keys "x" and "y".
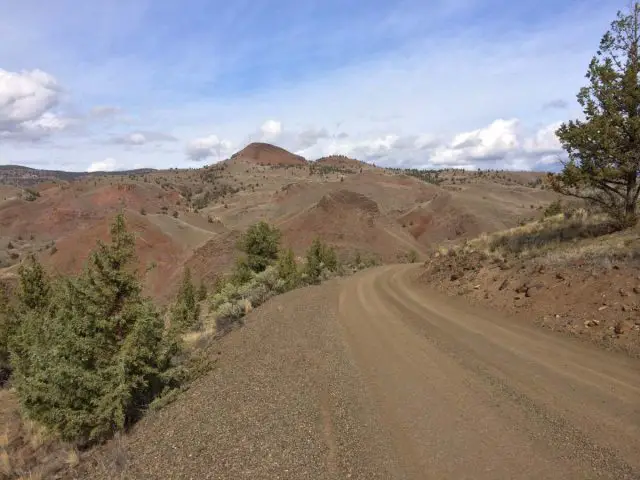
{"x": 193, "y": 216}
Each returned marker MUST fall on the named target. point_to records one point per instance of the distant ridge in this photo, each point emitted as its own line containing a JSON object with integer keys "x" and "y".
{"x": 20, "y": 175}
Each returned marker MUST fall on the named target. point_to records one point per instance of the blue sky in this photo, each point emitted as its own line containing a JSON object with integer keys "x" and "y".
{"x": 121, "y": 84}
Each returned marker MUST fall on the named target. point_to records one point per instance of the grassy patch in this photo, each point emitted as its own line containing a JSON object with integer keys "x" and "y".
{"x": 558, "y": 238}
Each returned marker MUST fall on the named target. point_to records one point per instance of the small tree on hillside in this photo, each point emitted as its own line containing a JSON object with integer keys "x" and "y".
{"x": 288, "y": 270}
{"x": 604, "y": 148}
{"x": 87, "y": 367}
{"x": 261, "y": 244}
{"x": 185, "y": 313}
{"x": 319, "y": 258}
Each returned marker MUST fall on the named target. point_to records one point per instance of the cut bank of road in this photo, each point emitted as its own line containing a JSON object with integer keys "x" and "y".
{"x": 376, "y": 376}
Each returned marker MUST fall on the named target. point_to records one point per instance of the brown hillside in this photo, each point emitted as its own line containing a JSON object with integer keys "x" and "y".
{"x": 342, "y": 161}
{"x": 267, "y": 154}
{"x": 193, "y": 217}
{"x": 352, "y": 222}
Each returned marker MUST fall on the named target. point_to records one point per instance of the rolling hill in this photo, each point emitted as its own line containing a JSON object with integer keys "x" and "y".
{"x": 194, "y": 216}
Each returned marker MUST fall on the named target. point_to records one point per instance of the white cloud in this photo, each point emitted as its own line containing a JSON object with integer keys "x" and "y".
{"x": 271, "y": 129}
{"x": 488, "y": 143}
{"x": 208, "y": 147}
{"x": 142, "y": 138}
{"x": 27, "y": 100}
{"x": 106, "y": 165}
{"x": 544, "y": 140}
{"x": 501, "y": 144}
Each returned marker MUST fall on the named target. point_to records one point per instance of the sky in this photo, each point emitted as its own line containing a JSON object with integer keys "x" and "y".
{"x": 122, "y": 84}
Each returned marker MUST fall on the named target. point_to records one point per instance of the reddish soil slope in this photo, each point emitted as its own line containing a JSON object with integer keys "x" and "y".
{"x": 266, "y": 154}
{"x": 352, "y": 222}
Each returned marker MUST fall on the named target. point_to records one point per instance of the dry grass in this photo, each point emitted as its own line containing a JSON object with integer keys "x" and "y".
{"x": 561, "y": 238}
{"x": 5, "y": 463}
{"x": 112, "y": 460}
{"x": 73, "y": 458}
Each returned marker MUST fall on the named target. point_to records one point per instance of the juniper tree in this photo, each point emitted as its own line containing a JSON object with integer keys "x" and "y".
{"x": 260, "y": 243}
{"x": 604, "y": 148}
{"x": 34, "y": 287}
{"x": 288, "y": 270}
{"x": 185, "y": 313}
{"x": 320, "y": 257}
{"x": 89, "y": 366}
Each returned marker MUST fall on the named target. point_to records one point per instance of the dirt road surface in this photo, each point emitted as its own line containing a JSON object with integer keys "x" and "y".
{"x": 377, "y": 377}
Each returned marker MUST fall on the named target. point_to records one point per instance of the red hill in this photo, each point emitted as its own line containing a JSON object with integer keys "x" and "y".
{"x": 267, "y": 154}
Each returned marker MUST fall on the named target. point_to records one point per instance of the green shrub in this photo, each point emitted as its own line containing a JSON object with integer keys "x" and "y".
{"x": 319, "y": 258}
{"x": 260, "y": 243}
{"x": 553, "y": 209}
{"x": 87, "y": 364}
{"x": 288, "y": 270}
{"x": 242, "y": 272}
{"x": 185, "y": 312}
{"x": 30, "y": 195}
{"x": 408, "y": 257}
{"x": 202, "y": 292}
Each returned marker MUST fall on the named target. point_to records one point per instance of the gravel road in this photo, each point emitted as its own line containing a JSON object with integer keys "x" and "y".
{"x": 377, "y": 377}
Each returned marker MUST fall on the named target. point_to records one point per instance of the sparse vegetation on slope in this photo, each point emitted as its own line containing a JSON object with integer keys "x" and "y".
{"x": 574, "y": 272}
{"x": 270, "y": 271}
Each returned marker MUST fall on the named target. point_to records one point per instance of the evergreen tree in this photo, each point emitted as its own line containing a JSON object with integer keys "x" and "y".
{"x": 604, "y": 148}
{"x": 87, "y": 367}
{"x": 202, "y": 292}
{"x": 34, "y": 287}
{"x": 186, "y": 311}
{"x": 320, "y": 257}
{"x": 260, "y": 243}
{"x": 288, "y": 270}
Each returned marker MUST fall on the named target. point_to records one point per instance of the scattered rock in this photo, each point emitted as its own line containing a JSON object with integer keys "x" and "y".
{"x": 604, "y": 307}
{"x": 504, "y": 284}
{"x": 560, "y": 276}
{"x": 476, "y": 287}
{"x": 591, "y": 323}
{"x": 626, "y": 308}
{"x": 636, "y": 289}
{"x": 623, "y": 293}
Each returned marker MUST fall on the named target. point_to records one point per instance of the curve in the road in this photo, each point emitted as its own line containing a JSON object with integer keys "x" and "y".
{"x": 467, "y": 393}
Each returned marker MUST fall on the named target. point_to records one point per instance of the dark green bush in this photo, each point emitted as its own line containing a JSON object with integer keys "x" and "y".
{"x": 88, "y": 360}
{"x": 261, "y": 244}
